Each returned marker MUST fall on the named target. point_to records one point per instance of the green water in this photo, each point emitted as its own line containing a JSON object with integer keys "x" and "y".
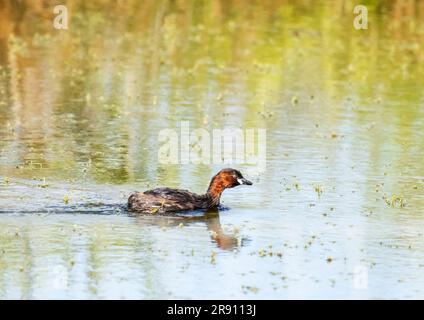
{"x": 80, "y": 114}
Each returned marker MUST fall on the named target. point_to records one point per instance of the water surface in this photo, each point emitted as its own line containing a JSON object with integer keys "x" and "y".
{"x": 338, "y": 213}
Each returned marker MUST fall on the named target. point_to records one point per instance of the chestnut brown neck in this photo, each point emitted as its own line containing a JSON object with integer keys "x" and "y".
{"x": 216, "y": 187}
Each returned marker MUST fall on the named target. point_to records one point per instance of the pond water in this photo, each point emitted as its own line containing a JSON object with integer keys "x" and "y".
{"x": 337, "y": 213}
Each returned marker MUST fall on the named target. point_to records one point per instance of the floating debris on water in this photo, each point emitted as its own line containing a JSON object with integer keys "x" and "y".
{"x": 318, "y": 189}
{"x": 269, "y": 253}
{"x": 43, "y": 184}
{"x": 213, "y": 257}
{"x": 396, "y": 201}
{"x": 251, "y": 289}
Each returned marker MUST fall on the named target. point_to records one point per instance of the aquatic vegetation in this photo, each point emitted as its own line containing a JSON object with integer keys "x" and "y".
{"x": 43, "y": 184}
{"x": 395, "y": 201}
{"x": 262, "y": 253}
{"x": 318, "y": 189}
{"x": 269, "y": 253}
{"x": 213, "y": 257}
{"x": 254, "y": 290}
{"x": 266, "y": 114}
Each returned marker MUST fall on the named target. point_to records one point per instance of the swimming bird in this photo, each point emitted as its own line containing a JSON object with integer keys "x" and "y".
{"x": 167, "y": 200}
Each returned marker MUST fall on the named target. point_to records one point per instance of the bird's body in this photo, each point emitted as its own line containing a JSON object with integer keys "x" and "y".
{"x": 167, "y": 200}
{"x": 162, "y": 200}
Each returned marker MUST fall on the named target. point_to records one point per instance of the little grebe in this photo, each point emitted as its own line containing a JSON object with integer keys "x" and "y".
{"x": 165, "y": 200}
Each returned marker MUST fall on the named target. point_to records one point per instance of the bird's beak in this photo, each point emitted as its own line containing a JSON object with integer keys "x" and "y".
{"x": 244, "y": 181}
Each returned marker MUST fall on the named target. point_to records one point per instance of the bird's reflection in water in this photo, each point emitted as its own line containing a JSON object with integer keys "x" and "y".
{"x": 223, "y": 240}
